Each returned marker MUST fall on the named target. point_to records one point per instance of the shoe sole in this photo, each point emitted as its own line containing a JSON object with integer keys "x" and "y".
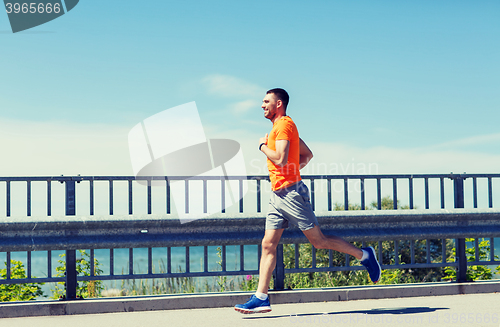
{"x": 259, "y": 310}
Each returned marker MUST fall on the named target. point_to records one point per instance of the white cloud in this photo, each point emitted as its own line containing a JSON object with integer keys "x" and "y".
{"x": 54, "y": 148}
{"x": 232, "y": 87}
{"x": 247, "y": 95}
{"x": 470, "y": 141}
{"x": 244, "y": 106}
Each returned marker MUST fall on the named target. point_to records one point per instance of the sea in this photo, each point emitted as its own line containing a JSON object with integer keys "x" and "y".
{"x": 40, "y": 262}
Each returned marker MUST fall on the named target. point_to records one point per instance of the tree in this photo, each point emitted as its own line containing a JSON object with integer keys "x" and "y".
{"x": 387, "y": 203}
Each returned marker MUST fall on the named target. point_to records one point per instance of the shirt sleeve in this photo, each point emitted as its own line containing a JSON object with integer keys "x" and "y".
{"x": 284, "y": 131}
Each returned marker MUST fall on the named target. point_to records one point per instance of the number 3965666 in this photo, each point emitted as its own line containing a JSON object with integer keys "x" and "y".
{"x": 33, "y": 8}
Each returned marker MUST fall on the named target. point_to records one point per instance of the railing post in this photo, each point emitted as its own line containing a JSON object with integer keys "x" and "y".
{"x": 279, "y": 272}
{"x": 458, "y": 187}
{"x": 71, "y": 273}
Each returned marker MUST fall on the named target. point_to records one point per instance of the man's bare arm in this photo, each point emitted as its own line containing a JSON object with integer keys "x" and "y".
{"x": 305, "y": 154}
{"x": 280, "y": 156}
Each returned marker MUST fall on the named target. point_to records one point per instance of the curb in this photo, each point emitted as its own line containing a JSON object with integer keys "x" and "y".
{"x": 218, "y": 300}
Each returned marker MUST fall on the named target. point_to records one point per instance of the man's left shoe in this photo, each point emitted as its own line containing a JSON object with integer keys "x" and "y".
{"x": 371, "y": 264}
{"x": 254, "y": 305}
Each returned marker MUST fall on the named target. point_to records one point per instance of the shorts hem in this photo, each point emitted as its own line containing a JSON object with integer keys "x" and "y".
{"x": 308, "y": 228}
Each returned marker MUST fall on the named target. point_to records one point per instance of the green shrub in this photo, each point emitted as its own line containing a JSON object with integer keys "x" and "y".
{"x": 18, "y": 292}
{"x": 473, "y": 272}
{"x": 85, "y": 289}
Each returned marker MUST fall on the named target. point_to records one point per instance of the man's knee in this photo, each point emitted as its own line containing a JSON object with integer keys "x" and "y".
{"x": 268, "y": 245}
{"x": 317, "y": 239}
{"x": 319, "y": 243}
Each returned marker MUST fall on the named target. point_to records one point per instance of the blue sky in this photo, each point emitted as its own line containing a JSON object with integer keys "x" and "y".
{"x": 411, "y": 86}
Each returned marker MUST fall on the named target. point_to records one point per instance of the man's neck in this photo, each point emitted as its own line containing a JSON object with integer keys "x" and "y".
{"x": 277, "y": 117}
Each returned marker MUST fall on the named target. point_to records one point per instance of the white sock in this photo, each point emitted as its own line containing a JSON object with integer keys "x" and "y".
{"x": 365, "y": 255}
{"x": 261, "y": 296}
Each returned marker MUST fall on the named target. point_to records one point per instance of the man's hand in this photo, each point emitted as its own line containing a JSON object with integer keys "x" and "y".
{"x": 280, "y": 156}
{"x": 263, "y": 139}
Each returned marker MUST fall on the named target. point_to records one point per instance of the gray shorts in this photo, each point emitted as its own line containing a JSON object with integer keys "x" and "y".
{"x": 291, "y": 204}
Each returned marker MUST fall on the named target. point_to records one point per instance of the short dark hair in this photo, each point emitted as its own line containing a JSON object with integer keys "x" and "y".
{"x": 281, "y": 95}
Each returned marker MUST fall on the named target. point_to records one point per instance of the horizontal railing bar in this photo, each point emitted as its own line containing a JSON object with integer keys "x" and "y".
{"x": 480, "y": 175}
{"x": 33, "y": 280}
{"x": 171, "y": 275}
{"x": 349, "y": 268}
{"x": 249, "y": 177}
{"x": 482, "y": 263}
{"x": 125, "y": 178}
{"x": 104, "y": 232}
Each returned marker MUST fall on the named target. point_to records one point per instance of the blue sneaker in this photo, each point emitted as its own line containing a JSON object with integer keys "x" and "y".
{"x": 371, "y": 264}
{"x": 254, "y": 305}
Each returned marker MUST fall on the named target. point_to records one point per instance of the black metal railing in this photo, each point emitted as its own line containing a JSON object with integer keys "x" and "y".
{"x": 360, "y": 180}
{"x": 239, "y": 239}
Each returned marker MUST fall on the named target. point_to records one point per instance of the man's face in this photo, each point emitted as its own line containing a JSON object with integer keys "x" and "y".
{"x": 269, "y": 105}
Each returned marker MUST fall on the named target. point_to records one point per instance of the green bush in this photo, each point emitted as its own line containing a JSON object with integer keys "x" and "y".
{"x": 159, "y": 286}
{"x": 473, "y": 272}
{"x": 85, "y": 289}
{"x": 18, "y": 292}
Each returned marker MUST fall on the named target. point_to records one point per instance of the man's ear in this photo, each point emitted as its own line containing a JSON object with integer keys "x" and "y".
{"x": 279, "y": 103}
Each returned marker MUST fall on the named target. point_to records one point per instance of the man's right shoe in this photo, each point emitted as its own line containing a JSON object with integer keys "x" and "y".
{"x": 372, "y": 264}
{"x": 254, "y": 305}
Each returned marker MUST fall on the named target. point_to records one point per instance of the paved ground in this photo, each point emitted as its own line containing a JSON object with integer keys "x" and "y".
{"x": 451, "y": 310}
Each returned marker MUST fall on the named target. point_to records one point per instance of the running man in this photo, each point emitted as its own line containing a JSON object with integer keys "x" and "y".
{"x": 286, "y": 154}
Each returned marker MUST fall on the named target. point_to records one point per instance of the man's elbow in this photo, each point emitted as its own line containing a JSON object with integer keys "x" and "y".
{"x": 281, "y": 162}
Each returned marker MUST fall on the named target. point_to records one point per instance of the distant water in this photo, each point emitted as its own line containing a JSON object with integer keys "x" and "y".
{"x": 121, "y": 261}
{"x": 178, "y": 262}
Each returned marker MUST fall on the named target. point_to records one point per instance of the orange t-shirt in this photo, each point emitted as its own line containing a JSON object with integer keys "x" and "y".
{"x": 284, "y": 129}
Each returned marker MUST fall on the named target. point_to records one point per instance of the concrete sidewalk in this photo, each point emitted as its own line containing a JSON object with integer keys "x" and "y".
{"x": 221, "y": 300}
{"x": 452, "y": 310}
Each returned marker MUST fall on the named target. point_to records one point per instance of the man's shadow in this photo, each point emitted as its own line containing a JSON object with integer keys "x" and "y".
{"x": 384, "y": 311}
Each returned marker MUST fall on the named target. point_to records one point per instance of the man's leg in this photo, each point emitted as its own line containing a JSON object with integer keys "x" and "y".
{"x": 321, "y": 241}
{"x": 268, "y": 258}
{"x": 366, "y": 255}
{"x": 260, "y": 301}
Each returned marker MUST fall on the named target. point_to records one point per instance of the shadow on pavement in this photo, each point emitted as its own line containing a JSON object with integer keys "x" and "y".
{"x": 382, "y": 311}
